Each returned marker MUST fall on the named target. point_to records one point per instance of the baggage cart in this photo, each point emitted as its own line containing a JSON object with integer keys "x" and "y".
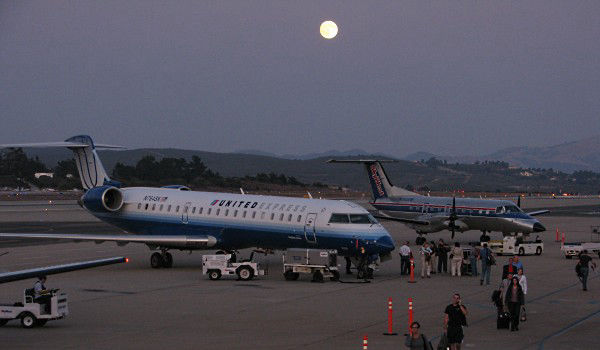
{"x": 319, "y": 263}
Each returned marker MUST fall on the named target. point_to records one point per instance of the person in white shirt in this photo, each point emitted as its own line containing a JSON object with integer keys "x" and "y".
{"x": 522, "y": 281}
{"x": 457, "y": 258}
{"x": 425, "y": 260}
{"x": 405, "y": 259}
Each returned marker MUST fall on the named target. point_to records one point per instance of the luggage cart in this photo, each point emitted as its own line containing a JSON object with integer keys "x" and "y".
{"x": 319, "y": 263}
{"x": 33, "y": 314}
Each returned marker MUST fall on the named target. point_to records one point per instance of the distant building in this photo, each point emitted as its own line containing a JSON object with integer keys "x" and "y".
{"x": 37, "y": 175}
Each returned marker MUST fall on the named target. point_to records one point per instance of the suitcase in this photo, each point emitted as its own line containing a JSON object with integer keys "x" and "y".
{"x": 503, "y": 321}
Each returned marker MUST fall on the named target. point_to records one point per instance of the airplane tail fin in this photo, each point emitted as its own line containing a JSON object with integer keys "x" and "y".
{"x": 380, "y": 184}
{"x": 91, "y": 171}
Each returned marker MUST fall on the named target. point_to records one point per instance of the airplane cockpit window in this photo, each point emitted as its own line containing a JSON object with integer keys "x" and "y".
{"x": 360, "y": 219}
{"x": 499, "y": 210}
{"x": 139, "y": 205}
{"x": 512, "y": 209}
{"x": 339, "y": 219}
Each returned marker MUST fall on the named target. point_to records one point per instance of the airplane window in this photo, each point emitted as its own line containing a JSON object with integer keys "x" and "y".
{"x": 253, "y": 214}
{"x": 272, "y": 216}
{"x": 512, "y": 209}
{"x": 282, "y": 207}
{"x": 169, "y": 207}
{"x": 208, "y": 212}
{"x": 262, "y": 215}
{"x": 226, "y": 212}
{"x": 217, "y": 212}
{"x": 281, "y": 217}
{"x": 360, "y": 219}
{"x": 290, "y": 217}
{"x": 161, "y": 207}
{"x": 296, "y": 208}
{"x": 193, "y": 210}
{"x": 153, "y": 207}
{"x": 139, "y": 205}
{"x": 299, "y": 218}
{"x": 372, "y": 219}
{"x": 200, "y": 210}
{"x": 177, "y": 209}
{"x": 185, "y": 209}
{"x": 146, "y": 206}
{"x": 235, "y": 214}
{"x": 339, "y": 219}
{"x": 499, "y": 210}
{"x": 244, "y": 214}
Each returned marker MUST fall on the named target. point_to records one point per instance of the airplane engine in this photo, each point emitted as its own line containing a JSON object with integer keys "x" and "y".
{"x": 104, "y": 198}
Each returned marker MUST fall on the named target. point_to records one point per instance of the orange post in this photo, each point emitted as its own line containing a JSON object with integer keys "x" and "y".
{"x": 410, "y": 315}
{"x": 412, "y": 271}
{"x": 390, "y": 319}
{"x": 557, "y": 239}
{"x": 563, "y": 238}
{"x": 365, "y": 342}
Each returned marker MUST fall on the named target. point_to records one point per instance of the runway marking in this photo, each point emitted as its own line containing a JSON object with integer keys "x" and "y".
{"x": 567, "y": 328}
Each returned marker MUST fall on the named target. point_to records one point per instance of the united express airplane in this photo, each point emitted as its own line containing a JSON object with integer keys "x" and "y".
{"x": 173, "y": 217}
{"x": 432, "y": 214}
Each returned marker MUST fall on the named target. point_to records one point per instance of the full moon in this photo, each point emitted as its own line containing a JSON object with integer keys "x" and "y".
{"x": 328, "y": 29}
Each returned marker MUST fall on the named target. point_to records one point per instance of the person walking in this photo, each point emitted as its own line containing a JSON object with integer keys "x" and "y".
{"x": 473, "y": 260}
{"x": 442, "y": 264}
{"x": 425, "y": 260}
{"x": 585, "y": 262}
{"x": 455, "y": 317}
{"x": 434, "y": 256}
{"x": 348, "y": 265}
{"x": 405, "y": 259}
{"x": 487, "y": 260}
{"x": 523, "y": 283}
{"x": 514, "y": 299}
{"x": 417, "y": 340}
{"x": 457, "y": 257}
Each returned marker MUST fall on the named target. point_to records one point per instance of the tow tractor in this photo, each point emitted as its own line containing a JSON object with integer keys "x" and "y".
{"x": 571, "y": 249}
{"x": 219, "y": 265}
{"x": 33, "y": 314}
{"x": 319, "y": 263}
{"x": 516, "y": 245}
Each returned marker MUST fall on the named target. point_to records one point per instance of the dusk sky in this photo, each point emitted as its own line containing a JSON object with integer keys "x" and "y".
{"x": 448, "y": 77}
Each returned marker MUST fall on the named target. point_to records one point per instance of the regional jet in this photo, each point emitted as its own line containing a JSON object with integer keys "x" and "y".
{"x": 427, "y": 214}
{"x": 174, "y": 217}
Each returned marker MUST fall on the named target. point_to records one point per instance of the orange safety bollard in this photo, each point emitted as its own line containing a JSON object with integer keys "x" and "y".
{"x": 412, "y": 270}
{"x": 365, "y": 342}
{"x": 410, "y": 315}
{"x": 390, "y": 318}
{"x": 557, "y": 239}
{"x": 563, "y": 238}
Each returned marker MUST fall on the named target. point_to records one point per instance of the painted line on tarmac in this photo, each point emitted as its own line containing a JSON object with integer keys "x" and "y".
{"x": 567, "y": 328}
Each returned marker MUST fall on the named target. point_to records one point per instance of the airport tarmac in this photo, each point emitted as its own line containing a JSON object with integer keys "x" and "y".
{"x": 134, "y": 306}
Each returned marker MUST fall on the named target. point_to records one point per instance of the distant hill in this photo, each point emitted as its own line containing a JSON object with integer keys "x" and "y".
{"x": 568, "y": 157}
{"x": 331, "y": 154}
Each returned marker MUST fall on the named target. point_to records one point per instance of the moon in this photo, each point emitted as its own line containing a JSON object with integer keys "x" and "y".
{"x": 328, "y": 29}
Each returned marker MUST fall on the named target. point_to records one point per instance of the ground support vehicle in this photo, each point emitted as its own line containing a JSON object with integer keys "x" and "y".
{"x": 33, "y": 314}
{"x": 319, "y": 263}
{"x": 511, "y": 245}
{"x": 218, "y": 265}
{"x": 571, "y": 249}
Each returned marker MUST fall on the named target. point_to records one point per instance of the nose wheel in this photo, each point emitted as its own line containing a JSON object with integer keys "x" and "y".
{"x": 164, "y": 259}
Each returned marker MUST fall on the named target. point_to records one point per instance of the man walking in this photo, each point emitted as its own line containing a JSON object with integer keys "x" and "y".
{"x": 487, "y": 260}
{"x": 585, "y": 261}
{"x": 425, "y": 260}
{"x": 405, "y": 259}
{"x": 455, "y": 316}
{"x": 442, "y": 264}
{"x": 473, "y": 260}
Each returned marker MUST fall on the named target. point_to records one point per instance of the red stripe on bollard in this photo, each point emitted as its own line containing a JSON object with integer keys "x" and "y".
{"x": 365, "y": 342}
{"x": 390, "y": 318}
{"x": 557, "y": 239}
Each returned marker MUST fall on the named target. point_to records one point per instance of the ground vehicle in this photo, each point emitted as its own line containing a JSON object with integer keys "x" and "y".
{"x": 220, "y": 264}
{"x": 31, "y": 313}
{"x": 319, "y": 263}
{"x": 516, "y": 245}
{"x": 571, "y": 249}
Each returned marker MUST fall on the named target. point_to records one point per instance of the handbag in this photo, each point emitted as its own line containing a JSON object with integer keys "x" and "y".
{"x": 523, "y": 314}
{"x": 443, "y": 344}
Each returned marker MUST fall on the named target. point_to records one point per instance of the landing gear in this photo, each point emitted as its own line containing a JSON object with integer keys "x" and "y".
{"x": 420, "y": 239}
{"x": 164, "y": 259}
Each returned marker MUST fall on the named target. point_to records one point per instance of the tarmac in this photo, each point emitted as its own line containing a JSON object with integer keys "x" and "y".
{"x": 135, "y": 307}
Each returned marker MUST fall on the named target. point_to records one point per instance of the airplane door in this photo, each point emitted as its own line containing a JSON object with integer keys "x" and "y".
{"x": 309, "y": 228}
{"x": 185, "y": 213}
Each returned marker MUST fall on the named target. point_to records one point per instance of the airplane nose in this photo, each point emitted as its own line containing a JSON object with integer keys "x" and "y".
{"x": 537, "y": 227}
{"x": 386, "y": 243}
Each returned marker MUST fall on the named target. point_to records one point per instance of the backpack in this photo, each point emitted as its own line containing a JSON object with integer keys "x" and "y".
{"x": 489, "y": 258}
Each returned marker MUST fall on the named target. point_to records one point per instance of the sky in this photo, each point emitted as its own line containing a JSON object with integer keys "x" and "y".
{"x": 447, "y": 77}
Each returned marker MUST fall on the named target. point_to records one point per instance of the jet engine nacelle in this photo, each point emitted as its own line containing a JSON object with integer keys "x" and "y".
{"x": 103, "y": 198}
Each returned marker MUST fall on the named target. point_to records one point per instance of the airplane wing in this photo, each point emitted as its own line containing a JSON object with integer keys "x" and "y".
{"x": 406, "y": 221}
{"x": 58, "y": 144}
{"x": 185, "y": 242}
{"x": 538, "y": 212}
{"x": 55, "y": 269}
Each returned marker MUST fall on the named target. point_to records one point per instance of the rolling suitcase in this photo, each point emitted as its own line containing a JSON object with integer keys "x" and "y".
{"x": 503, "y": 321}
